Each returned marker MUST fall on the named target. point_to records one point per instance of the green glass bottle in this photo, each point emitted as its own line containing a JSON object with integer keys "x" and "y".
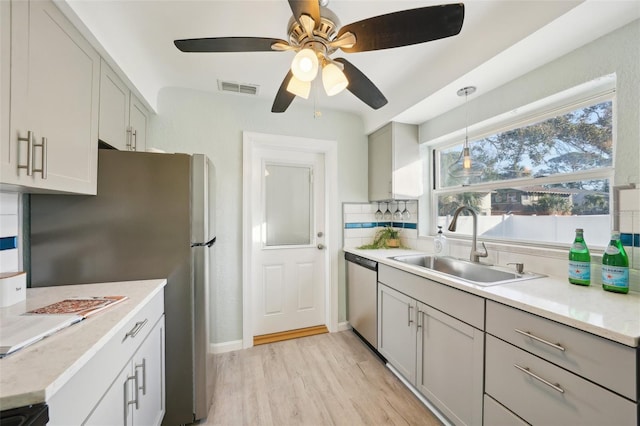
{"x": 579, "y": 261}
{"x": 615, "y": 266}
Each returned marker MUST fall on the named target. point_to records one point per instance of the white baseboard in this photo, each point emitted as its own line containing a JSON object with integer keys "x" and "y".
{"x": 219, "y": 348}
{"x": 342, "y": 326}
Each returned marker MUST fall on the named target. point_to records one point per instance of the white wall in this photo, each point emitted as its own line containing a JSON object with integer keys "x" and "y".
{"x": 212, "y": 124}
{"x": 617, "y": 52}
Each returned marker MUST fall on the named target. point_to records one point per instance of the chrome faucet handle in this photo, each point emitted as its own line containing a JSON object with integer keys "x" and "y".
{"x": 519, "y": 266}
{"x": 476, "y": 255}
{"x": 483, "y": 254}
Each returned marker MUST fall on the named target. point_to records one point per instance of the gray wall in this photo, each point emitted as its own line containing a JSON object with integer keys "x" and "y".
{"x": 212, "y": 124}
{"x": 617, "y": 52}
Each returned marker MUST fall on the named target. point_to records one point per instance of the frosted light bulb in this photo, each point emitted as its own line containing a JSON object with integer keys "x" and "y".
{"x": 333, "y": 79}
{"x": 305, "y": 65}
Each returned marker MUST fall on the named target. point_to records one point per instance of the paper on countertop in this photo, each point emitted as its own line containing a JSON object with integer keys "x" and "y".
{"x": 18, "y": 331}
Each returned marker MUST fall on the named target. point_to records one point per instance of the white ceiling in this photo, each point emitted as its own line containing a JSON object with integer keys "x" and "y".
{"x": 499, "y": 41}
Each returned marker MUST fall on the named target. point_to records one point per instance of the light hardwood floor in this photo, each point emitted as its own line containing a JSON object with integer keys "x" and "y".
{"x": 328, "y": 379}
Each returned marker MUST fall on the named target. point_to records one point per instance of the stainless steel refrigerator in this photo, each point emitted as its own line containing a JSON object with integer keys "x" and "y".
{"x": 153, "y": 217}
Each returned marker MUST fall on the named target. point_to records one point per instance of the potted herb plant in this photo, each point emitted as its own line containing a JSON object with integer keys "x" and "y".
{"x": 387, "y": 237}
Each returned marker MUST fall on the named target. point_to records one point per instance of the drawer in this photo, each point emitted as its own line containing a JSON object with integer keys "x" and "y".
{"x": 544, "y": 394}
{"x": 105, "y": 364}
{"x": 603, "y": 361}
{"x": 457, "y": 303}
{"x": 496, "y": 415}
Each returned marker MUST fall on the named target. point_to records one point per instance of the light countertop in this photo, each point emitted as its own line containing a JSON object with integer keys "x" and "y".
{"x": 35, "y": 373}
{"x": 609, "y": 315}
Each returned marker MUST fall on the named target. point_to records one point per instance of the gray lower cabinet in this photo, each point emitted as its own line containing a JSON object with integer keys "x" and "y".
{"x": 397, "y": 330}
{"x": 440, "y": 355}
{"x": 497, "y": 415}
{"x": 450, "y": 365}
{"x": 548, "y": 373}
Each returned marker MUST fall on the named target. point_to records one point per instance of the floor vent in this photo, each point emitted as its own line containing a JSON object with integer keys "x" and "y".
{"x": 245, "y": 89}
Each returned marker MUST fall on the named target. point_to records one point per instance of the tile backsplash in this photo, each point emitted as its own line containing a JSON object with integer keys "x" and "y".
{"x": 9, "y": 232}
{"x": 361, "y": 224}
{"x": 628, "y": 221}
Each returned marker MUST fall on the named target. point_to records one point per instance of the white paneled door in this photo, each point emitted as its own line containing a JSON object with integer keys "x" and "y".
{"x": 288, "y": 267}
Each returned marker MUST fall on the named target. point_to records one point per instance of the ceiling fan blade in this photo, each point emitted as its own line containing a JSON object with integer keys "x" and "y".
{"x": 227, "y": 44}
{"x": 361, "y": 86}
{"x": 305, "y": 7}
{"x": 405, "y": 28}
{"x": 283, "y": 97}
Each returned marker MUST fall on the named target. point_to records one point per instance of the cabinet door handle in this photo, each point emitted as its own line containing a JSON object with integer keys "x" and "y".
{"x": 419, "y": 323}
{"x": 541, "y": 340}
{"x": 135, "y": 401}
{"x": 43, "y": 162}
{"x": 409, "y": 320}
{"x": 29, "y": 165}
{"x": 127, "y": 401}
{"x": 134, "y": 135}
{"x": 143, "y": 388}
{"x": 129, "y": 137}
{"x": 136, "y": 329}
{"x": 526, "y": 370}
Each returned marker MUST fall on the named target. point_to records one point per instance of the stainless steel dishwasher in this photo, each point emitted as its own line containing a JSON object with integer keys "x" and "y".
{"x": 362, "y": 297}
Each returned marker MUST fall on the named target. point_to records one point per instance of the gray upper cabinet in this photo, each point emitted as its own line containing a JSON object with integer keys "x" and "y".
{"x": 395, "y": 168}
{"x": 53, "y": 87}
{"x": 123, "y": 118}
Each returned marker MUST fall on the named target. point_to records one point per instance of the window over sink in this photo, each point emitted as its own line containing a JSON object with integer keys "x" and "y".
{"x": 543, "y": 172}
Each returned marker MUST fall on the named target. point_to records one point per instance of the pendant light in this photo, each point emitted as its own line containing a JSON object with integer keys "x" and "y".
{"x": 465, "y": 167}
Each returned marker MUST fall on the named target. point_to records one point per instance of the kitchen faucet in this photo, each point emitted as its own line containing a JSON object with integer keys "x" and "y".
{"x": 475, "y": 255}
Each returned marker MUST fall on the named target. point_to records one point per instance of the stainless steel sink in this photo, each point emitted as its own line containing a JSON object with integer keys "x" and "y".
{"x": 475, "y": 273}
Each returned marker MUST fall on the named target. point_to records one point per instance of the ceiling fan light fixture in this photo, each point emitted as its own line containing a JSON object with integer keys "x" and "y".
{"x": 333, "y": 79}
{"x": 299, "y": 87}
{"x": 305, "y": 65}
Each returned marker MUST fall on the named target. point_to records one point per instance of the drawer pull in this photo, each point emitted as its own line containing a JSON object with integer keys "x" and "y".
{"x": 553, "y": 345}
{"x": 525, "y": 370}
{"x": 136, "y": 329}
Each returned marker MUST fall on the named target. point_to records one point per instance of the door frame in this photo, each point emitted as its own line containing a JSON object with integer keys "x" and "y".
{"x": 252, "y": 142}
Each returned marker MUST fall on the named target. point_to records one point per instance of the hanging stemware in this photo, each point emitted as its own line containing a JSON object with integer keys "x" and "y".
{"x": 397, "y": 215}
{"x": 387, "y": 214}
{"x": 406, "y": 214}
{"x": 378, "y": 213}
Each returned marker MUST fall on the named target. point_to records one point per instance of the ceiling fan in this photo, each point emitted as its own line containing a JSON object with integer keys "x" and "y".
{"x": 315, "y": 34}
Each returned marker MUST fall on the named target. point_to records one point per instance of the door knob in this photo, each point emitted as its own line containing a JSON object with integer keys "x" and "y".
{"x": 321, "y": 247}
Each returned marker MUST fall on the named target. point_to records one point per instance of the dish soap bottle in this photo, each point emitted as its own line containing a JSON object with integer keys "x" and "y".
{"x": 579, "y": 261}
{"x": 615, "y": 266}
{"x": 440, "y": 243}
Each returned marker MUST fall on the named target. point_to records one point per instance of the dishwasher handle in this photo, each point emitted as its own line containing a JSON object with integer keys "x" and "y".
{"x": 362, "y": 261}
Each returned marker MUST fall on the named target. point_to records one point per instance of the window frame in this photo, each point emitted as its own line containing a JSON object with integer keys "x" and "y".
{"x": 598, "y": 91}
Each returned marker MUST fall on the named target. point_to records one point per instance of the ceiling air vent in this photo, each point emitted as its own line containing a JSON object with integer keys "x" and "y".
{"x": 233, "y": 87}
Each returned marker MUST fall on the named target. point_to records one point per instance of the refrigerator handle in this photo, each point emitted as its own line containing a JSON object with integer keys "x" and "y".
{"x": 208, "y": 243}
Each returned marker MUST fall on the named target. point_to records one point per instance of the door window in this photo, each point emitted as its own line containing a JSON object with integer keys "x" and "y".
{"x": 288, "y": 204}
